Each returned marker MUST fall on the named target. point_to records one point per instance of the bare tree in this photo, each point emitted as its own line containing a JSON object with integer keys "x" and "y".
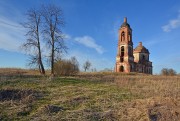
{"x": 75, "y": 64}
{"x": 86, "y": 65}
{"x": 32, "y": 45}
{"x": 53, "y": 21}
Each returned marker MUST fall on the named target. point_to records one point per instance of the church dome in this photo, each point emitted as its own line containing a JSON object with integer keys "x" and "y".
{"x": 141, "y": 49}
{"x": 125, "y": 24}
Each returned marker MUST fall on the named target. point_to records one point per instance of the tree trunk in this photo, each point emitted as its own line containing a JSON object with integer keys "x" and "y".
{"x": 41, "y": 65}
{"x": 52, "y": 57}
{"x": 42, "y": 70}
{"x": 40, "y": 61}
{"x": 52, "y": 63}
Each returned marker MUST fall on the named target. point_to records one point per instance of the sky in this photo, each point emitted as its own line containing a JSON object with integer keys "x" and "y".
{"x": 91, "y": 30}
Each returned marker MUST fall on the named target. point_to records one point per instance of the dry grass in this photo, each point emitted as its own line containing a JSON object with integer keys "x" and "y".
{"x": 160, "y": 97}
{"x": 150, "y": 86}
{"x": 157, "y": 98}
{"x": 91, "y": 97}
{"x": 18, "y": 72}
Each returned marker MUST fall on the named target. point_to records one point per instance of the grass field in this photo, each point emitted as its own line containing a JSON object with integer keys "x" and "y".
{"x": 90, "y": 97}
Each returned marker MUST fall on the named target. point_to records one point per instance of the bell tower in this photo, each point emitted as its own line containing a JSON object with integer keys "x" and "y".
{"x": 125, "y": 58}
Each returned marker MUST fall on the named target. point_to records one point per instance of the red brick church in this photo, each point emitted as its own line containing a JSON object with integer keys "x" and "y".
{"x": 129, "y": 59}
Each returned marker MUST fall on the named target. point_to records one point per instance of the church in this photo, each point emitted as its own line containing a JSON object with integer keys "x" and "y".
{"x": 129, "y": 59}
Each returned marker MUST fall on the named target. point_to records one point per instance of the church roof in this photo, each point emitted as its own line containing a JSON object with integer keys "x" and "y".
{"x": 141, "y": 49}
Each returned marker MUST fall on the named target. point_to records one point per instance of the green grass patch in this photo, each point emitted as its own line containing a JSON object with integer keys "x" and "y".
{"x": 73, "y": 97}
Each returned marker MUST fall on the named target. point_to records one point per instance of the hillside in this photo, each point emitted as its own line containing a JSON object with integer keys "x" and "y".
{"x": 103, "y": 96}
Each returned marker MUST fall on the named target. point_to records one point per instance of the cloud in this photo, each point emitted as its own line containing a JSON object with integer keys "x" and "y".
{"x": 173, "y": 24}
{"x": 11, "y": 35}
{"x": 11, "y": 32}
{"x": 89, "y": 42}
{"x": 66, "y": 36}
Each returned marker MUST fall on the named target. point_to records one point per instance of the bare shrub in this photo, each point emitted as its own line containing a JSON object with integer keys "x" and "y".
{"x": 168, "y": 72}
{"x": 67, "y": 67}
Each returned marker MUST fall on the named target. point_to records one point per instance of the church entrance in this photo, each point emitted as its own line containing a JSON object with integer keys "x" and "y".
{"x": 121, "y": 69}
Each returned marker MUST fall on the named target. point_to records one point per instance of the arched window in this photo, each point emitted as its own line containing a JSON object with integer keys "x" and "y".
{"x": 122, "y": 36}
{"x": 131, "y": 68}
{"x": 143, "y": 57}
{"x": 147, "y": 70}
{"x": 122, "y": 51}
{"x": 130, "y": 51}
{"x": 121, "y": 69}
{"x": 122, "y": 54}
{"x": 129, "y": 36}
